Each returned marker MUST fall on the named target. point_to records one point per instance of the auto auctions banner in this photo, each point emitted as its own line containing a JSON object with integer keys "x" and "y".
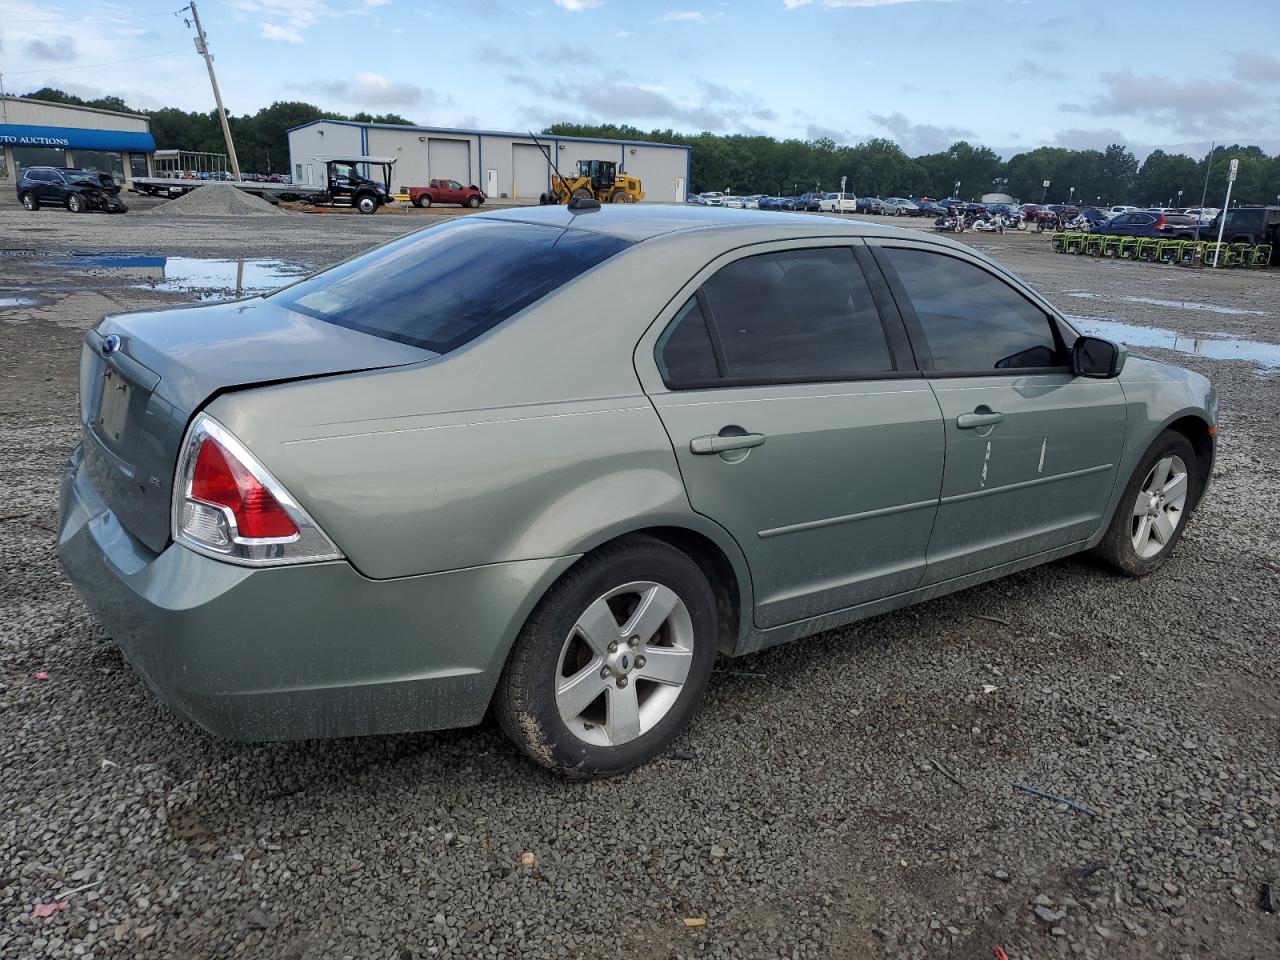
{"x": 21, "y": 135}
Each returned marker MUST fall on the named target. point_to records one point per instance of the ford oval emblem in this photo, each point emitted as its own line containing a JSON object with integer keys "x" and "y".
{"x": 110, "y": 345}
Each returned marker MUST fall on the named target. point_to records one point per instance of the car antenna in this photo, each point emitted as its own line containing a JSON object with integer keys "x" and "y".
{"x": 575, "y": 204}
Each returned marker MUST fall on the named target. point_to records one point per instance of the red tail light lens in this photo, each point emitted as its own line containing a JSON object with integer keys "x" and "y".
{"x": 227, "y": 505}
{"x": 223, "y": 481}
{"x": 1159, "y": 222}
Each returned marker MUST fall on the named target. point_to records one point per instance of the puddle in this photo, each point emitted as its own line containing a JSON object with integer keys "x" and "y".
{"x": 209, "y": 279}
{"x": 8, "y": 303}
{"x": 1175, "y": 304}
{"x": 1216, "y": 348}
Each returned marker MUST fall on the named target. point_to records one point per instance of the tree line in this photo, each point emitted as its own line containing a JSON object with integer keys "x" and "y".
{"x": 743, "y": 164}
{"x": 879, "y": 167}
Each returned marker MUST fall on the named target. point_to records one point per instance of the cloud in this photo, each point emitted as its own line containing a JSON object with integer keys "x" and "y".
{"x": 274, "y": 31}
{"x": 577, "y": 6}
{"x": 374, "y": 92}
{"x": 571, "y": 53}
{"x": 1253, "y": 67}
{"x": 1193, "y": 106}
{"x": 918, "y": 138}
{"x": 707, "y": 106}
{"x": 1030, "y": 70}
{"x": 1079, "y": 139}
{"x": 832, "y": 4}
{"x": 682, "y": 16}
{"x": 491, "y": 53}
{"x": 60, "y": 49}
{"x": 815, "y": 132}
{"x": 376, "y": 3}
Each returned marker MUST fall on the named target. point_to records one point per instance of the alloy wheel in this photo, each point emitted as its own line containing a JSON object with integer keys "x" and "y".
{"x": 624, "y": 663}
{"x": 1160, "y": 506}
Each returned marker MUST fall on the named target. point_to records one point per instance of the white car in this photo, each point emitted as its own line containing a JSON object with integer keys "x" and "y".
{"x": 1121, "y": 208}
{"x": 713, "y": 198}
{"x": 1204, "y": 214}
{"x": 838, "y": 203}
{"x": 731, "y": 201}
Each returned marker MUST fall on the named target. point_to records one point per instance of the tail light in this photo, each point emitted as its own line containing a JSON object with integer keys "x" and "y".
{"x": 1159, "y": 222}
{"x": 227, "y": 505}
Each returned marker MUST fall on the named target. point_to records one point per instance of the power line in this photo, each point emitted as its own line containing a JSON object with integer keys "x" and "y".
{"x": 87, "y": 66}
{"x": 124, "y": 16}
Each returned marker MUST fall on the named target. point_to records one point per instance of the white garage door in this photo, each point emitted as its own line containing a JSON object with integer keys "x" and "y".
{"x": 449, "y": 159}
{"x": 529, "y": 170}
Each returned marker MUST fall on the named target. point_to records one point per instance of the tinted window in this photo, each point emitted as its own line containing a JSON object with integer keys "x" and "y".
{"x": 797, "y": 315}
{"x": 685, "y": 355}
{"x": 445, "y": 286}
{"x": 973, "y": 321}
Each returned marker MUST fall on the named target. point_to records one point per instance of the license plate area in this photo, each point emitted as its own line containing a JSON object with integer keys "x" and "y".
{"x": 113, "y": 407}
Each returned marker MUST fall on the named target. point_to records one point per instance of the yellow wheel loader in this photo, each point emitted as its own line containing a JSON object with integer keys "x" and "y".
{"x": 597, "y": 180}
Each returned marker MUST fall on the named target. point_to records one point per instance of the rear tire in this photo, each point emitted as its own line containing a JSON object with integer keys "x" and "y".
{"x": 30, "y": 201}
{"x": 1155, "y": 507}
{"x": 620, "y": 196}
{"x": 584, "y": 710}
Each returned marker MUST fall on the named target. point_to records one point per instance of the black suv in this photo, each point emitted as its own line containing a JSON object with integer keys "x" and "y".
{"x": 1247, "y": 225}
{"x": 78, "y": 190}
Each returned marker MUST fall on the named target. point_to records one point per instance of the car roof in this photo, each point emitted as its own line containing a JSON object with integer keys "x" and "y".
{"x": 637, "y": 223}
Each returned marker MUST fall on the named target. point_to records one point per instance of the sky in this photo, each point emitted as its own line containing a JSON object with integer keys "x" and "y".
{"x": 1010, "y": 74}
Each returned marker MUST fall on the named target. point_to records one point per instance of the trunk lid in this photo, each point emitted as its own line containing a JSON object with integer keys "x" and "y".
{"x": 144, "y": 375}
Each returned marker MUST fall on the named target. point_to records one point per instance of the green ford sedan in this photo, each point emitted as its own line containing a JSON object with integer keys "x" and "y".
{"x": 554, "y": 461}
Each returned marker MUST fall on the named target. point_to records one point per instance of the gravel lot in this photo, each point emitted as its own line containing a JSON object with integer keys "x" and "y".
{"x": 849, "y": 796}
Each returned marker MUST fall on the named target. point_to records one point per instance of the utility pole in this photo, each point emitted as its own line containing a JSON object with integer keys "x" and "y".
{"x": 1226, "y": 206}
{"x": 202, "y": 48}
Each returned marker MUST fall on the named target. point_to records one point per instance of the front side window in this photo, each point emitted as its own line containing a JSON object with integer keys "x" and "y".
{"x": 442, "y": 287}
{"x": 973, "y": 321}
{"x": 792, "y": 316}
{"x": 454, "y": 185}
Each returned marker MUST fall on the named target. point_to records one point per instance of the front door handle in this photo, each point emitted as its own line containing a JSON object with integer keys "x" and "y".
{"x": 985, "y": 418}
{"x": 722, "y": 443}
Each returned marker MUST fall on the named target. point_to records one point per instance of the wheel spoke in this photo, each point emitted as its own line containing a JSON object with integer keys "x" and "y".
{"x": 666, "y": 664}
{"x": 656, "y": 605}
{"x": 574, "y": 694}
{"x": 1143, "y": 535}
{"x": 1162, "y": 527}
{"x": 1141, "y": 506}
{"x": 598, "y": 627}
{"x": 1176, "y": 488}
{"x": 1161, "y": 475}
{"x": 622, "y": 716}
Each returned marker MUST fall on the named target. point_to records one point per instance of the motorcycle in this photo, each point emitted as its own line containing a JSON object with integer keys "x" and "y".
{"x": 951, "y": 223}
{"x": 992, "y": 223}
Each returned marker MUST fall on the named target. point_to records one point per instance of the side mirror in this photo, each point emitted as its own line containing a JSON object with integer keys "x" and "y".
{"x": 1096, "y": 357}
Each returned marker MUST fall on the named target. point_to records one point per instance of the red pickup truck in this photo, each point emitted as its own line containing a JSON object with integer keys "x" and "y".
{"x": 446, "y": 191}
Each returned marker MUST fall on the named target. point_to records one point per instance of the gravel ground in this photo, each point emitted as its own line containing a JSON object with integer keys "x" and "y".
{"x": 849, "y": 796}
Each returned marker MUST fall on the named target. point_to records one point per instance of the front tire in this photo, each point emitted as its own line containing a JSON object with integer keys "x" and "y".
{"x": 1154, "y": 508}
{"x": 76, "y": 203}
{"x": 367, "y": 204}
{"x": 612, "y": 663}
{"x": 473, "y": 202}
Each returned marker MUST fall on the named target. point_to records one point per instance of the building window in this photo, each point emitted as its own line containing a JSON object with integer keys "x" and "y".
{"x": 101, "y": 161}
{"x": 24, "y": 157}
{"x": 297, "y": 173}
{"x": 138, "y": 165}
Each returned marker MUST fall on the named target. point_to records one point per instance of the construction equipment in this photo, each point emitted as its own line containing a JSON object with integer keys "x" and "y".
{"x": 597, "y": 180}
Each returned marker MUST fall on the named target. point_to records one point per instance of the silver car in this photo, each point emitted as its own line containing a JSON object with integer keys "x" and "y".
{"x": 555, "y": 461}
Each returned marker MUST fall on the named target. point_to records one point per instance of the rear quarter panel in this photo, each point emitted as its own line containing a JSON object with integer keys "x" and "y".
{"x": 534, "y": 441}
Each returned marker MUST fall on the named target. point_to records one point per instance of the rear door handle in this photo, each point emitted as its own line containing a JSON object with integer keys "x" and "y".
{"x": 967, "y": 421}
{"x": 720, "y": 444}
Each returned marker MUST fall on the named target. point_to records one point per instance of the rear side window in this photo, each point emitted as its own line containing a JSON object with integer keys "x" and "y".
{"x": 445, "y": 286}
{"x": 797, "y": 315}
{"x": 973, "y": 321}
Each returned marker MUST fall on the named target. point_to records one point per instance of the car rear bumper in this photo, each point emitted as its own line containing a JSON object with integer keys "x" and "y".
{"x": 314, "y": 650}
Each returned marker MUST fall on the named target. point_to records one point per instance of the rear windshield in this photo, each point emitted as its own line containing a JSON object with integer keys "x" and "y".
{"x": 443, "y": 287}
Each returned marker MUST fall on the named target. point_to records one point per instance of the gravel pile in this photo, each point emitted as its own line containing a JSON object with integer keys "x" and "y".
{"x": 216, "y": 200}
{"x": 850, "y": 796}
